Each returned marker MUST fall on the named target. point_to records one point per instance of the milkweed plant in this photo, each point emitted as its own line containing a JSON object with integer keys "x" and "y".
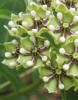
{"x": 46, "y": 39}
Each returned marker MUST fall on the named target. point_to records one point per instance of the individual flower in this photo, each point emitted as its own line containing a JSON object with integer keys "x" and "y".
{"x": 35, "y": 52}
{"x": 28, "y": 23}
{"x": 55, "y": 78}
{"x": 63, "y": 25}
{"x": 69, "y": 56}
{"x": 11, "y": 54}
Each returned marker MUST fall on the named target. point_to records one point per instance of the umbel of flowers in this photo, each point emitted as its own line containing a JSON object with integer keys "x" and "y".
{"x": 46, "y": 39}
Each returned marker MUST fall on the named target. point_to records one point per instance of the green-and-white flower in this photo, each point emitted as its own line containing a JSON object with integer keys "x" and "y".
{"x": 35, "y": 51}
{"x": 55, "y": 79}
{"x": 11, "y": 54}
{"x": 69, "y": 56}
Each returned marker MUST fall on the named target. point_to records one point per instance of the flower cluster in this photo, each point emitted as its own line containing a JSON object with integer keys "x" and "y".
{"x": 46, "y": 40}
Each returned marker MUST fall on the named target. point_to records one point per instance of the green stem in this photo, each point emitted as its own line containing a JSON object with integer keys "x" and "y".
{"x": 63, "y": 95}
{"x": 22, "y": 91}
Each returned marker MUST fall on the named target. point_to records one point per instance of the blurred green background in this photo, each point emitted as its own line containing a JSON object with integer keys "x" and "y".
{"x": 23, "y": 84}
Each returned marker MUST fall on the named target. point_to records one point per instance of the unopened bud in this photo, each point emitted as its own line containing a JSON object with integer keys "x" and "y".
{"x": 14, "y": 42}
{"x": 13, "y": 64}
{"x": 76, "y": 42}
{"x": 24, "y": 23}
{"x": 46, "y": 43}
{"x": 66, "y": 66}
{"x": 44, "y": 58}
{"x": 21, "y": 14}
{"x": 51, "y": 27}
{"x": 48, "y": 13}
{"x": 45, "y": 6}
{"x": 62, "y": 39}
{"x": 29, "y": 63}
{"x": 62, "y": 51}
{"x": 11, "y": 24}
{"x": 76, "y": 33}
{"x": 59, "y": 16}
{"x": 33, "y": 13}
{"x": 45, "y": 79}
{"x": 75, "y": 19}
{"x": 23, "y": 51}
{"x": 34, "y": 30}
{"x": 14, "y": 30}
{"x": 72, "y": 9}
{"x": 61, "y": 86}
{"x": 8, "y": 55}
{"x": 58, "y": 2}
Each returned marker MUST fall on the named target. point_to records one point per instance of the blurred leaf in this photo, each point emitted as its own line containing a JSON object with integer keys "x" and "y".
{"x": 11, "y": 75}
{"x": 19, "y": 98}
{"x": 69, "y": 95}
{"x": 14, "y": 6}
{"x": 4, "y": 14}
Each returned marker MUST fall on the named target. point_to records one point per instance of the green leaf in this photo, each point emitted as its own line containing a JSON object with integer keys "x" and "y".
{"x": 14, "y": 6}
{"x": 9, "y": 75}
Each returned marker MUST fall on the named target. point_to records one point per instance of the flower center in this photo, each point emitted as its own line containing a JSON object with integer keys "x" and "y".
{"x": 34, "y": 49}
{"x": 75, "y": 55}
{"x": 58, "y": 71}
{"x": 65, "y": 25}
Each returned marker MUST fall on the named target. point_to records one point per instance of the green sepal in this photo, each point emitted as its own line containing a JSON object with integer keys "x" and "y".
{"x": 53, "y": 21}
{"x": 26, "y": 43}
{"x": 51, "y": 86}
{"x": 41, "y": 12}
{"x": 73, "y": 71}
{"x": 69, "y": 47}
{"x": 44, "y": 71}
{"x": 61, "y": 60}
{"x": 67, "y": 17}
{"x": 61, "y": 8}
{"x": 28, "y": 18}
{"x": 68, "y": 82}
{"x": 74, "y": 28}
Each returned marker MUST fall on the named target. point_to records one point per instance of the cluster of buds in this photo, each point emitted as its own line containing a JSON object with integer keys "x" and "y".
{"x": 47, "y": 40}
